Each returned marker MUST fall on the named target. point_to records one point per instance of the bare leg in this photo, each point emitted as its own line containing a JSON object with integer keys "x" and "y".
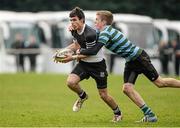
{"x": 167, "y": 82}
{"x": 129, "y": 90}
{"x": 111, "y": 103}
{"x": 73, "y": 83}
{"x": 107, "y": 98}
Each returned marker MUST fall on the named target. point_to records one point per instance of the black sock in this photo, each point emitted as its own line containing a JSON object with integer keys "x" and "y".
{"x": 117, "y": 111}
{"x": 82, "y": 95}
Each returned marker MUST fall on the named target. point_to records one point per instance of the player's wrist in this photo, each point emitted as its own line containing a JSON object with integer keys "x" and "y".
{"x": 75, "y": 57}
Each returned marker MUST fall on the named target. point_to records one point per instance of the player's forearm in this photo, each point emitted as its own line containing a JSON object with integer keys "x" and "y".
{"x": 79, "y": 57}
{"x": 92, "y": 51}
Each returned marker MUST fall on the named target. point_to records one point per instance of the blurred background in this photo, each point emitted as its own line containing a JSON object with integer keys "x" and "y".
{"x": 31, "y": 31}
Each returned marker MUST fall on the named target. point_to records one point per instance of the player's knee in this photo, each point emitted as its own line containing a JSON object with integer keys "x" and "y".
{"x": 70, "y": 83}
{"x": 127, "y": 88}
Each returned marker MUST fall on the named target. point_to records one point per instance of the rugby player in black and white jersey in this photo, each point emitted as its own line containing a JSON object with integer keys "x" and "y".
{"x": 93, "y": 66}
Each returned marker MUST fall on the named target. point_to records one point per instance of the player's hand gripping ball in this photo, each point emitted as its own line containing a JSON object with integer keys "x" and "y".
{"x": 61, "y": 54}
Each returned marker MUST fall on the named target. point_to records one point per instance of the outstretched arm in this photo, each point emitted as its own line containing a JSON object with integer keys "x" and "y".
{"x": 92, "y": 51}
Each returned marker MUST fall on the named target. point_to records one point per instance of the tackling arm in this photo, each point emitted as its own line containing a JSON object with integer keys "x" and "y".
{"x": 92, "y": 51}
{"x": 84, "y": 53}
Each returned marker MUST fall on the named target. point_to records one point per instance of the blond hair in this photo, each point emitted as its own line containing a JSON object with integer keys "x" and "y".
{"x": 106, "y": 16}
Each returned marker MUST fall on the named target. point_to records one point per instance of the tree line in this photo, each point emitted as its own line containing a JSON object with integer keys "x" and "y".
{"x": 169, "y": 9}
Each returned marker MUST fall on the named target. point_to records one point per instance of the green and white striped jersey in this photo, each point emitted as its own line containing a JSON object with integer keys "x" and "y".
{"x": 115, "y": 41}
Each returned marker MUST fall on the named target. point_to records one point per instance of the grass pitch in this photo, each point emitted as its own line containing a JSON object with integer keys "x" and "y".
{"x": 34, "y": 100}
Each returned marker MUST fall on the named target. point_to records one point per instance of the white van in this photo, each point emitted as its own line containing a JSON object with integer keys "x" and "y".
{"x": 2, "y": 51}
{"x": 12, "y": 23}
{"x": 173, "y": 29}
{"x": 168, "y": 31}
{"x": 50, "y": 29}
{"x": 54, "y": 25}
{"x": 140, "y": 31}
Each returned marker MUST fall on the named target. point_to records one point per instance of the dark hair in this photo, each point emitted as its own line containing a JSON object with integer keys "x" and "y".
{"x": 77, "y": 12}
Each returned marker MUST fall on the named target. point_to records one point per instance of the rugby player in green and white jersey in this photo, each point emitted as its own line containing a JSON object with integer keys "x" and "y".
{"x": 137, "y": 62}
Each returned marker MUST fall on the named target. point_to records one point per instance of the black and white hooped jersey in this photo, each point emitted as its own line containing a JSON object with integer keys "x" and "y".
{"x": 87, "y": 39}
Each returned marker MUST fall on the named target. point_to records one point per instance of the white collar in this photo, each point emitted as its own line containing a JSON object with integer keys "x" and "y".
{"x": 80, "y": 33}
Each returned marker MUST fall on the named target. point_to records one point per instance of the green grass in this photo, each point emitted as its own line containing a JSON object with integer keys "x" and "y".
{"x": 45, "y": 100}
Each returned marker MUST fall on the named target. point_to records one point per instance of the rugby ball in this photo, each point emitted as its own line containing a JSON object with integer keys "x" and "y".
{"x": 63, "y": 52}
